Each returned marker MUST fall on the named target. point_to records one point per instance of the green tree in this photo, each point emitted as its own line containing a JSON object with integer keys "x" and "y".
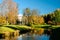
{"x": 26, "y": 15}
{"x": 57, "y": 16}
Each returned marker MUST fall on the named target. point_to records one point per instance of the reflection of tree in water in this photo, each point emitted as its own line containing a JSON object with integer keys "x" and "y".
{"x": 10, "y": 38}
{"x": 34, "y": 36}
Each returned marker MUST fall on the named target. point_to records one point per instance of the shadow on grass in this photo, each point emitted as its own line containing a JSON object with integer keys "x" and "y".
{"x": 22, "y": 30}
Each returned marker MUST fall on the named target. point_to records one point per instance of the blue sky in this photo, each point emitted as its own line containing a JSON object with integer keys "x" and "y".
{"x": 43, "y": 6}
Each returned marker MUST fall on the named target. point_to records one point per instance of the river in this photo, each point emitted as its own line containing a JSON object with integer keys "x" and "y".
{"x": 29, "y": 36}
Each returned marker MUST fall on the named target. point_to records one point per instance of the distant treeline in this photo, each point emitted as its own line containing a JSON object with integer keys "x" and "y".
{"x": 33, "y": 17}
{"x": 53, "y": 18}
{"x": 9, "y": 15}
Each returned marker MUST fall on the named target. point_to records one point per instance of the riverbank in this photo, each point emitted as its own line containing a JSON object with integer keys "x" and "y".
{"x": 12, "y": 30}
{"x": 16, "y": 30}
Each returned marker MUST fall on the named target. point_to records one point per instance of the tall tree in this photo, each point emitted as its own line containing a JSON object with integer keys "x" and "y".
{"x": 57, "y": 16}
{"x": 13, "y": 11}
{"x": 36, "y": 18}
{"x": 10, "y": 11}
{"x": 26, "y": 15}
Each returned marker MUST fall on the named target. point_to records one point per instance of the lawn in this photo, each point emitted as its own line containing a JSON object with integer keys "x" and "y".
{"x": 12, "y": 28}
{"x": 6, "y": 29}
{"x": 46, "y": 26}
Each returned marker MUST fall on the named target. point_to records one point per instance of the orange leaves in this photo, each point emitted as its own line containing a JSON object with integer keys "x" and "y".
{"x": 3, "y": 20}
{"x": 12, "y": 17}
{"x": 37, "y": 20}
{"x": 40, "y": 20}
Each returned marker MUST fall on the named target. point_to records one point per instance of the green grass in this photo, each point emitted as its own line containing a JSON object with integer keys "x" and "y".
{"x": 55, "y": 26}
{"x": 41, "y": 26}
{"x": 12, "y": 28}
{"x": 46, "y": 26}
{"x": 4, "y": 29}
{"x": 18, "y": 27}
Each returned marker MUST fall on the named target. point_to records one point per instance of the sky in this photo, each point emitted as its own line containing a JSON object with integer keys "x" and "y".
{"x": 43, "y": 6}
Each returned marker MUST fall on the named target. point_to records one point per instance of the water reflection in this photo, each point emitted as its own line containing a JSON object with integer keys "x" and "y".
{"x": 32, "y": 35}
{"x": 10, "y": 38}
{"x": 29, "y": 36}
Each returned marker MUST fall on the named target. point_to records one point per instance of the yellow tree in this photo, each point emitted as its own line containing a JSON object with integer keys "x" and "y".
{"x": 2, "y": 20}
{"x": 13, "y": 12}
{"x": 40, "y": 20}
{"x": 36, "y": 18}
{"x": 9, "y": 11}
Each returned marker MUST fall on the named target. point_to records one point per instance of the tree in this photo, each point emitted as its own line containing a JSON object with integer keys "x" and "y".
{"x": 33, "y": 17}
{"x": 57, "y": 16}
{"x": 53, "y": 18}
{"x": 10, "y": 11}
{"x": 26, "y": 15}
{"x": 40, "y": 20}
{"x": 2, "y": 20}
{"x": 36, "y": 18}
{"x": 13, "y": 11}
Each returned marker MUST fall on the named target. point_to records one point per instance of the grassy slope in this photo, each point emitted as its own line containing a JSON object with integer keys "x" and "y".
{"x": 12, "y": 28}
{"x": 4, "y": 29}
{"x": 46, "y": 26}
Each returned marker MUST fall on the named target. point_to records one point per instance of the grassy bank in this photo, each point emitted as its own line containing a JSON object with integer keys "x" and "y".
{"x": 12, "y": 28}
{"x": 24, "y": 28}
{"x": 4, "y": 29}
{"x": 46, "y": 26}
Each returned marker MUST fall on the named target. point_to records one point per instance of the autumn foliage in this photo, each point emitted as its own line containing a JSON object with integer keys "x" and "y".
{"x": 32, "y": 17}
{"x": 10, "y": 12}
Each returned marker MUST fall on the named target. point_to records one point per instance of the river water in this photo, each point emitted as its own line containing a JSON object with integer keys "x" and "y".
{"x": 33, "y": 37}
{"x": 28, "y": 36}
